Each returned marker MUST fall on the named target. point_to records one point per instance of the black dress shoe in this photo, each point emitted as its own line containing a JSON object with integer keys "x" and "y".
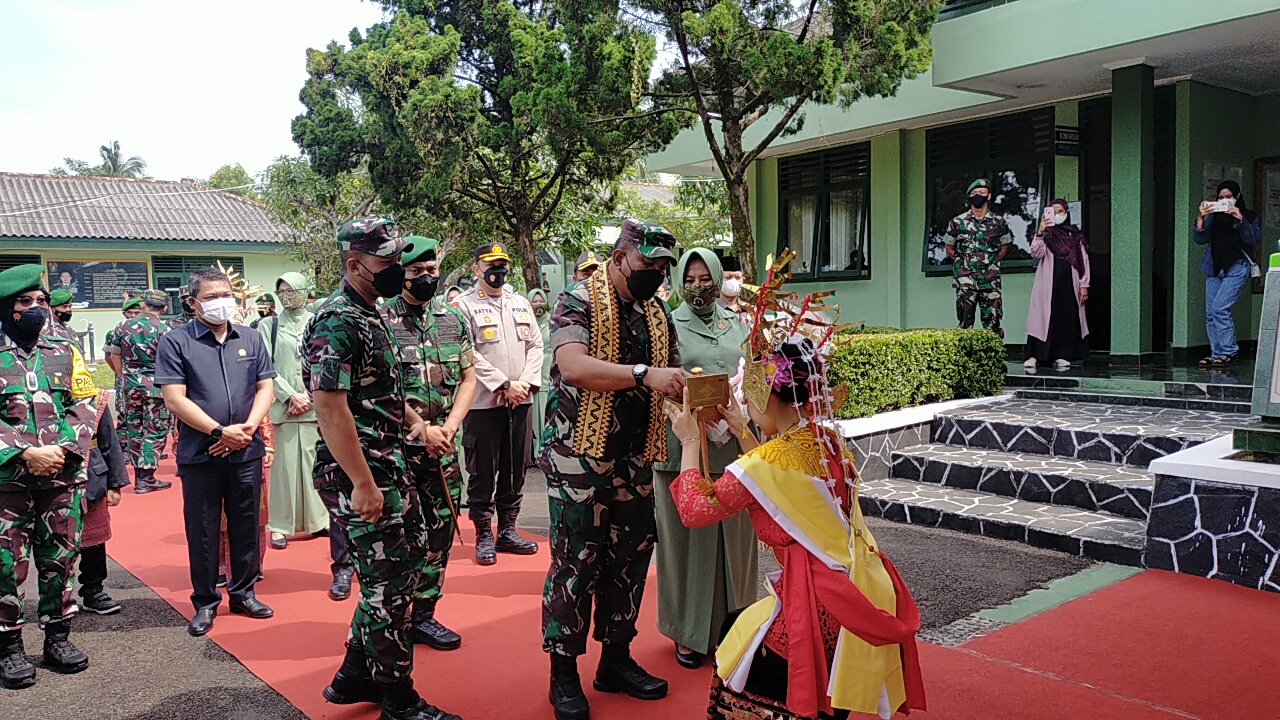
{"x": 279, "y": 543}
{"x": 252, "y": 607}
{"x": 202, "y": 622}
{"x": 341, "y": 587}
{"x": 691, "y": 660}
{"x": 625, "y": 675}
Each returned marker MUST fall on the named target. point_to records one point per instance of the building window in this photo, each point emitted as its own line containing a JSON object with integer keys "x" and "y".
{"x": 825, "y": 199}
{"x": 13, "y": 261}
{"x": 170, "y": 272}
{"x": 1014, "y": 152}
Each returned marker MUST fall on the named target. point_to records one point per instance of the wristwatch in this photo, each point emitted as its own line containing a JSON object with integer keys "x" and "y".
{"x": 216, "y": 433}
{"x": 638, "y": 372}
{"x": 506, "y": 385}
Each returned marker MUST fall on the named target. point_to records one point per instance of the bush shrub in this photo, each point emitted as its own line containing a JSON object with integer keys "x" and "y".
{"x": 888, "y": 369}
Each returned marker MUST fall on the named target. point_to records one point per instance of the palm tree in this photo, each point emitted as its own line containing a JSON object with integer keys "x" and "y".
{"x": 114, "y": 166}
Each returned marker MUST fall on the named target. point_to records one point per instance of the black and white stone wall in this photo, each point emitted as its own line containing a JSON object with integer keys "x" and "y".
{"x": 1228, "y": 532}
{"x": 874, "y": 453}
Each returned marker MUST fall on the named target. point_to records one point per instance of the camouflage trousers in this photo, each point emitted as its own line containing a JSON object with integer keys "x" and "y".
{"x": 438, "y": 517}
{"x": 973, "y": 297}
{"x": 602, "y": 535}
{"x": 146, "y": 423}
{"x": 383, "y": 553}
{"x": 48, "y": 521}
{"x": 118, "y": 408}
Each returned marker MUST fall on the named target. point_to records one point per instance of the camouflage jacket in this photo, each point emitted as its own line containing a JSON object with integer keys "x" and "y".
{"x": 138, "y": 340}
{"x": 977, "y": 243}
{"x": 347, "y": 347}
{"x": 179, "y": 321}
{"x": 571, "y": 323}
{"x": 111, "y": 343}
{"x": 46, "y": 398}
{"x": 435, "y": 347}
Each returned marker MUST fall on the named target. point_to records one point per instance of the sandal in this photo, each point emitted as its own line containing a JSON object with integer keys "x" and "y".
{"x": 1207, "y": 361}
{"x": 1225, "y": 360}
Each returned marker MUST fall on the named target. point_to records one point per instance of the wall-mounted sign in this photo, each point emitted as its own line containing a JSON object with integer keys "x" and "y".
{"x": 1066, "y": 141}
{"x": 98, "y": 284}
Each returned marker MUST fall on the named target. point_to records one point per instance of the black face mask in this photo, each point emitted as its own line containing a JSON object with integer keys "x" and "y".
{"x": 643, "y": 284}
{"x": 977, "y": 200}
{"x": 25, "y": 328}
{"x": 495, "y": 277}
{"x": 187, "y": 307}
{"x": 64, "y": 317}
{"x": 389, "y": 281}
{"x": 423, "y": 287}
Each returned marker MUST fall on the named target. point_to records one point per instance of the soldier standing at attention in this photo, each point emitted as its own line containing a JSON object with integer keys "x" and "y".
{"x": 146, "y": 419}
{"x": 437, "y": 362}
{"x": 976, "y": 243}
{"x": 131, "y": 308}
{"x": 616, "y": 355}
{"x": 497, "y": 432}
{"x": 45, "y": 432}
{"x": 352, "y": 368}
{"x": 60, "y": 316}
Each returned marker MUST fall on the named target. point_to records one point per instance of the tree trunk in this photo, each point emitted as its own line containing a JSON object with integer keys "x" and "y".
{"x": 744, "y": 242}
{"x": 528, "y": 254}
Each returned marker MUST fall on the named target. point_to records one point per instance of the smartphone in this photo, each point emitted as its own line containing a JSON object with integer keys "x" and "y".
{"x": 1048, "y": 215}
{"x": 1221, "y": 206}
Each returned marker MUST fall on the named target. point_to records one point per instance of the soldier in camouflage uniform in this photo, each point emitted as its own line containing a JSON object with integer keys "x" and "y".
{"x": 351, "y": 365}
{"x": 146, "y": 419}
{"x": 188, "y": 310}
{"x": 46, "y": 427}
{"x": 131, "y": 309}
{"x": 60, "y": 317}
{"x": 440, "y": 381}
{"x": 976, "y": 243}
{"x": 615, "y": 356}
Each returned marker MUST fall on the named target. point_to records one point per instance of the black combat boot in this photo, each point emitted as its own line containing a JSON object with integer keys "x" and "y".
{"x": 59, "y": 654}
{"x": 353, "y": 683}
{"x": 401, "y": 702}
{"x": 509, "y": 541}
{"x": 426, "y": 630}
{"x": 567, "y": 698}
{"x": 16, "y": 670}
{"x": 619, "y": 673}
{"x": 485, "y": 552}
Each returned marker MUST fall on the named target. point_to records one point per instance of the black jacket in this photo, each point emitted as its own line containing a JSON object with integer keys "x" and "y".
{"x": 106, "y": 461}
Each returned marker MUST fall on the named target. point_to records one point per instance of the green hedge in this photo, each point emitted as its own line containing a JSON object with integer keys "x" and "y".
{"x": 887, "y": 369}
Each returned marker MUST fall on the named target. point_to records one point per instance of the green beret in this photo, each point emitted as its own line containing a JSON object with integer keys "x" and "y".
{"x": 59, "y": 297}
{"x": 20, "y": 279}
{"x": 267, "y": 298}
{"x": 423, "y": 249}
{"x": 979, "y": 183}
{"x": 131, "y": 304}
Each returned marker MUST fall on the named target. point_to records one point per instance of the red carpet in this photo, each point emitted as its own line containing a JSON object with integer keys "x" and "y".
{"x": 1157, "y": 646}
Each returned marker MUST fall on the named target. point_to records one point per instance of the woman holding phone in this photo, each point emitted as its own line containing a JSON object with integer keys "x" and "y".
{"x": 1056, "y": 328}
{"x": 1230, "y": 231}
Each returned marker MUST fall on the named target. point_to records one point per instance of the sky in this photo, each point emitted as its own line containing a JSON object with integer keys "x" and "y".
{"x": 188, "y": 86}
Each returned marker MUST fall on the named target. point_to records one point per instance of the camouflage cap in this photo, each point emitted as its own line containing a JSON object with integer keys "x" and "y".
{"x": 979, "y": 183}
{"x": 131, "y": 304}
{"x": 267, "y": 298}
{"x": 20, "y": 278}
{"x": 491, "y": 252}
{"x": 372, "y": 235}
{"x": 653, "y": 241}
{"x": 155, "y": 296}
{"x": 586, "y": 260}
{"x": 59, "y": 297}
{"x": 424, "y": 249}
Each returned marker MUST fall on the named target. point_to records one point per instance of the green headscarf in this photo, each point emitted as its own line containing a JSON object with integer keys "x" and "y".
{"x": 713, "y": 266}
{"x": 546, "y": 316}
{"x": 298, "y": 282}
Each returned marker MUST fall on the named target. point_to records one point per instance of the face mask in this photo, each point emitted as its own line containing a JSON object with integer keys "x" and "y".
{"x": 643, "y": 284}
{"x": 423, "y": 287}
{"x": 293, "y": 301}
{"x": 188, "y": 307}
{"x": 64, "y": 317}
{"x": 496, "y": 277}
{"x": 389, "y": 281}
{"x": 731, "y": 287}
{"x": 540, "y": 308}
{"x": 26, "y": 327}
{"x": 1059, "y": 219}
{"x": 699, "y": 297}
{"x": 977, "y": 201}
{"x": 219, "y": 311}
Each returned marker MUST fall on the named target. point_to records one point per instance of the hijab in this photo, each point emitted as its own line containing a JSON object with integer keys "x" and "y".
{"x": 1066, "y": 241}
{"x": 545, "y": 317}
{"x": 1225, "y": 244}
{"x": 713, "y": 266}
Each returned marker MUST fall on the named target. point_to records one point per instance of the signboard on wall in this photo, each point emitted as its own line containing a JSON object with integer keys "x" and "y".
{"x": 98, "y": 284}
{"x": 1066, "y": 141}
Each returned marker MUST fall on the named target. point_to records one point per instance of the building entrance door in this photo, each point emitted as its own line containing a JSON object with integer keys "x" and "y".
{"x": 1095, "y": 202}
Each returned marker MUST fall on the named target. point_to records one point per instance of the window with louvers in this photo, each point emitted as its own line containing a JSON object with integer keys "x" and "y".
{"x": 12, "y": 261}
{"x": 170, "y": 272}
{"x": 1014, "y": 152}
{"x": 825, "y": 201}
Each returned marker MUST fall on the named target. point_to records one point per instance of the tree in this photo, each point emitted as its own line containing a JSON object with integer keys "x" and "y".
{"x": 697, "y": 214}
{"x": 113, "y": 164}
{"x": 234, "y": 177}
{"x": 504, "y": 113}
{"x": 746, "y": 68}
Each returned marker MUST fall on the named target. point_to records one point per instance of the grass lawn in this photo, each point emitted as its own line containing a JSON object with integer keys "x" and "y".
{"x": 103, "y": 376}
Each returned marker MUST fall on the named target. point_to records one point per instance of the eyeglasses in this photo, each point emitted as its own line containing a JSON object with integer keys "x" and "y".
{"x": 27, "y": 301}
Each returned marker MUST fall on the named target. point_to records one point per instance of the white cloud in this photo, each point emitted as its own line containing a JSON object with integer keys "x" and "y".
{"x": 188, "y": 86}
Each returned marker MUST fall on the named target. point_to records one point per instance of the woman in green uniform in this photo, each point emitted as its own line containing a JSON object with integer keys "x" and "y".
{"x": 542, "y": 311}
{"x": 703, "y": 574}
